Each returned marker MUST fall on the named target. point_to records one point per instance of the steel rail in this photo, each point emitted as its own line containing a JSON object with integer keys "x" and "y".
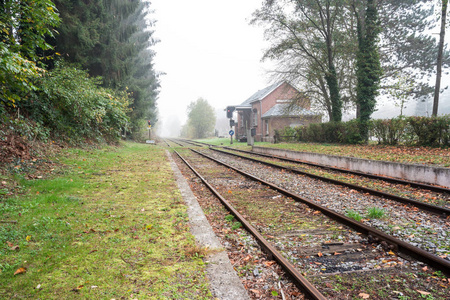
{"x": 198, "y": 144}
{"x": 442, "y": 211}
{"x": 389, "y": 179}
{"x": 401, "y": 246}
{"x": 174, "y": 141}
{"x": 301, "y": 282}
{"x": 202, "y": 143}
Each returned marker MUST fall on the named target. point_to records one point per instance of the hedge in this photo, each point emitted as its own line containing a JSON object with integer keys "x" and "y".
{"x": 418, "y": 131}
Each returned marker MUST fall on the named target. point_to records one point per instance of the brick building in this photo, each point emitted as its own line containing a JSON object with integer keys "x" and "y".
{"x": 271, "y": 108}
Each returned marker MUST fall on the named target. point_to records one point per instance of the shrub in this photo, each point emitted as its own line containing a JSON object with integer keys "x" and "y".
{"x": 419, "y": 131}
{"x": 331, "y": 132}
{"x": 74, "y": 106}
{"x": 389, "y": 132}
{"x": 434, "y": 131}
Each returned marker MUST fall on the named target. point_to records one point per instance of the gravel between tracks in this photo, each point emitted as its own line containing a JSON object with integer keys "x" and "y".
{"x": 421, "y": 229}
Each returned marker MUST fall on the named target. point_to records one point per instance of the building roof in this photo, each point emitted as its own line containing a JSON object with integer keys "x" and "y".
{"x": 287, "y": 110}
{"x": 261, "y": 94}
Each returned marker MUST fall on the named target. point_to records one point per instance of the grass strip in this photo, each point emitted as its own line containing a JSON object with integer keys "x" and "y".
{"x": 113, "y": 225}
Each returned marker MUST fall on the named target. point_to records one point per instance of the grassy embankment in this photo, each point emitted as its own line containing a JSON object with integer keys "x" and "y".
{"x": 111, "y": 224}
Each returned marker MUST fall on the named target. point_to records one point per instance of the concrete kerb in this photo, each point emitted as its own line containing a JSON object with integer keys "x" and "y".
{"x": 225, "y": 284}
{"x": 419, "y": 173}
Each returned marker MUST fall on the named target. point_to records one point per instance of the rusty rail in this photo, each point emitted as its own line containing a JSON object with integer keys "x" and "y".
{"x": 401, "y": 246}
{"x": 301, "y": 282}
{"x": 442, "y": 211}
{"x": 433, "y": 188}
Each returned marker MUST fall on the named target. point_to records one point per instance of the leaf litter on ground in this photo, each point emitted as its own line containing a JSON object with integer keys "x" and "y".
{"x": 111, "y": 225}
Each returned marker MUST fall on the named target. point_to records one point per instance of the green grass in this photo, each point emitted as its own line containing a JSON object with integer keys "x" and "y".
{"x": 112, "y": 226}
{"x": 354, "y": 215}
{"x": 375, "y": 212}
{"x": 229, "y": 218}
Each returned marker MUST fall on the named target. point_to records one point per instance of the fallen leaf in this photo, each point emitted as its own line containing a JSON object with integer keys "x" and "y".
{"x": 423, "y": 293}
{"x": 28, "y": 238}
{"x": 269, "y": 263}
{"x": 337, "y": 253}
{"x": 425, "y": 268}
{"x": 10, "y": 244}
{"x": 78, "y": 288}
{"x": 20, "y": 271}
{"x": 319, "y": 254}
{"x": 391, "y": 253}
{"x": 364, "y": 295}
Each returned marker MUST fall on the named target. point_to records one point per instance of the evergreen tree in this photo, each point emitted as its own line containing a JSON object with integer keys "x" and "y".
{"x": 112, "y": 39}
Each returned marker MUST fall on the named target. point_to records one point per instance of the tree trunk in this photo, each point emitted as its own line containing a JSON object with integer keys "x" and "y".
{"x": 437, "y": 87}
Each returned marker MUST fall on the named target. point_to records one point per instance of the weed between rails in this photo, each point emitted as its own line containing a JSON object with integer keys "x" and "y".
{"x": 113, "y": 225}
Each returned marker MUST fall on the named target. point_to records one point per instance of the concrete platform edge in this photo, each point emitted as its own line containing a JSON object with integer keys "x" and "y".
{"x": 225, "y": 284}
{"x": 412, "y": 172}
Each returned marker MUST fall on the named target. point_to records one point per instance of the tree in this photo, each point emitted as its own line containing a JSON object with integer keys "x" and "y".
{"x": 304, "y": 41}
{"x": 439, "y": 58}
{"x": 368, "y": 70}
{"x": 201, "y": 119}
{"x": 24, "y": 25}
{"x": 113, "y": 39}
{"x": 407, "y": 50}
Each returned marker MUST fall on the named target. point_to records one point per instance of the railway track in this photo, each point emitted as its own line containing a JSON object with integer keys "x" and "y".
{"x": 430, "y": 198}
{"x": 439, "y": 210}
{"x": 419, "y": 185}
{"x": 316, "y": 245}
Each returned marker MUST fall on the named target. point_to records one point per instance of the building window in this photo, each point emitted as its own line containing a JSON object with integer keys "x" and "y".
{"x": 267, "y": 127}
{"x": 255, "y": 117}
